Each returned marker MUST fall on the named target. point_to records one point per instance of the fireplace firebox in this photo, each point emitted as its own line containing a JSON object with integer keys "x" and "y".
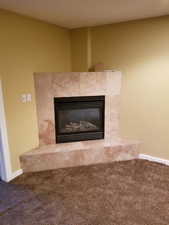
{"x": 79, "y": 118}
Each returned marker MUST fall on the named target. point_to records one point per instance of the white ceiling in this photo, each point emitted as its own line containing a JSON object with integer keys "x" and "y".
{"x": 84, "y": 13}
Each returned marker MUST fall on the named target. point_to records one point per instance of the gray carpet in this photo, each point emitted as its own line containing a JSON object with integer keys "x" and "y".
{"x": 11, "y": 195}
{"x": 121, "y": 193}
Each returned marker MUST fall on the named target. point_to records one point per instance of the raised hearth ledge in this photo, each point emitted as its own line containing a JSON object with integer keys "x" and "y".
{"x": 56, "y": 156}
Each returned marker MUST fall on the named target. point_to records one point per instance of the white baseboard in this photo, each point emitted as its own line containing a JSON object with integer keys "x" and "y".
{"x": 154, "y": 159}
{"x": 16, "y": 174}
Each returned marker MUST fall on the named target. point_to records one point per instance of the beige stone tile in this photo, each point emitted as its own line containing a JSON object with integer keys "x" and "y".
{"x": 114, "y": 83}
{"x": 50, "y": 85}
{"x": 65, "y": 84}
{"x": 50, "y": 157}
{"x": 93, "y": 83}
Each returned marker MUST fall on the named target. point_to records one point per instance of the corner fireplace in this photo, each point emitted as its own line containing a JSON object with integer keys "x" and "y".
{"x": 79, "y": 118}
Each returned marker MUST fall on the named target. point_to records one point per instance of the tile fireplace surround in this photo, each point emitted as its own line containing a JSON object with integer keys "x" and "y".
{"x": 49, "y": 154}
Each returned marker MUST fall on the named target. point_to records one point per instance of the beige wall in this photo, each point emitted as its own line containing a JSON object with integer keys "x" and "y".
{"x": 27, "y": 46}
{"x": 140, "y": 49}
{"x": 80, "y": 49}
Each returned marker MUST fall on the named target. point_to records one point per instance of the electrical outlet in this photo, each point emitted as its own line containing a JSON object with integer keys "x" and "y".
{"x": 29, "y": 97}
{"x": 23, "y": 98}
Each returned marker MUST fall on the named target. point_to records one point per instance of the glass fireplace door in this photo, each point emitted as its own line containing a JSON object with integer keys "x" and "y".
{"x": 79, "y": 118}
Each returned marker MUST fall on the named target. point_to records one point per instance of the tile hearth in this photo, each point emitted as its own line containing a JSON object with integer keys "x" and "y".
{"x": 77, "y": 154}
{"x": 51, "y": 155}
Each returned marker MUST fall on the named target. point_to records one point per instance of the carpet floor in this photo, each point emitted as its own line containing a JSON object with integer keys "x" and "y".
{"x": 132, "y": 192}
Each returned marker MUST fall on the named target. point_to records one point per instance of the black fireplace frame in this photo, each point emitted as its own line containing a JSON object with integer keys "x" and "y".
{"x": 81, "y": 102}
